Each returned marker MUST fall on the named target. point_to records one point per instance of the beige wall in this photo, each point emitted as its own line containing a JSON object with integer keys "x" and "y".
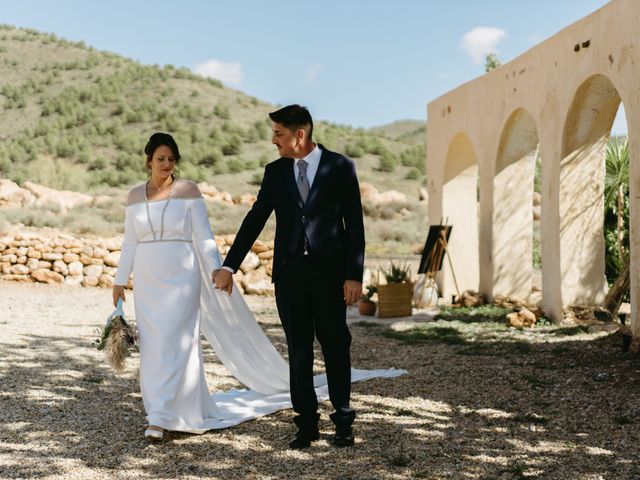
{"x": 563, "y": 102}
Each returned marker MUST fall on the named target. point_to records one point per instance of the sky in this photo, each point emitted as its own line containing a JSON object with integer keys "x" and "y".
{"x": 356, "y": 62}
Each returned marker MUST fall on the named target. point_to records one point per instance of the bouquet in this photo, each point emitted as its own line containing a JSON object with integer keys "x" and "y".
{"x": 118, "y": 339}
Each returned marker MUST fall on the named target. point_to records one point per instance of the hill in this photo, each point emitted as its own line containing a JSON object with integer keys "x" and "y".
{"x": 75, "y": 118}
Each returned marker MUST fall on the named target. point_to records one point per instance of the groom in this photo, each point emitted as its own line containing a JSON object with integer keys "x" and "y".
{"x": 317, "y": 264}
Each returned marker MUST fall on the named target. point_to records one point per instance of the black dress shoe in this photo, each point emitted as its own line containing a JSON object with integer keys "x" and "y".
{"x": 304, "y": 437}
{"x": 343, "y": 436}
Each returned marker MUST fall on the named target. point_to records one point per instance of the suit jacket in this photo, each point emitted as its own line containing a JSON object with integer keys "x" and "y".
{"x": 331, "y": 219}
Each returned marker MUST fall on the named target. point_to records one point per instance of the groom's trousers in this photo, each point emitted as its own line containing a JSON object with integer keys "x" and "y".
{"x": 310, "y": 300}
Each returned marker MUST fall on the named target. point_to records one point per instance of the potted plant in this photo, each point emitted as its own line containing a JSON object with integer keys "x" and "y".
{"x": 366, "y": 306}
{"x": 394, "y": 298}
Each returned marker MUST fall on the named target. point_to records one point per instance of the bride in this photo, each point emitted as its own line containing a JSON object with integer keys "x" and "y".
{"x": 169, "y": 246}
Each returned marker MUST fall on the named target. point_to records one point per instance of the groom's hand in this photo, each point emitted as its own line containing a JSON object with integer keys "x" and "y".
{"x": 352, "y": 291}
{"x": 224, "y": 281}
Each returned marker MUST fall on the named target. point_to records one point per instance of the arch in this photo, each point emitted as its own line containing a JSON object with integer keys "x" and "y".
{"x": 512, "y": 218}
{"x": 460, "y": 208}
{"x": 581, "y": 191}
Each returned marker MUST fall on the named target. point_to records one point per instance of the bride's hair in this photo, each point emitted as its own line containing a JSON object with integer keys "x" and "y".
{"x": 158, "y": 139}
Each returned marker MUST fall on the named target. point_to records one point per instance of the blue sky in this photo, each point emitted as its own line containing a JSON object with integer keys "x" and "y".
{"x": 356, "y": 62}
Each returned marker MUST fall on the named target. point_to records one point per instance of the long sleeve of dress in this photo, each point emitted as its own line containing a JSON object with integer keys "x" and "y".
{"x": 128, "y": 254}
{"x": 203, "y": 236}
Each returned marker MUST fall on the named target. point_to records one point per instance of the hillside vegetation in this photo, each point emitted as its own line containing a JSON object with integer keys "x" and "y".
{"x": 75, "y": 118}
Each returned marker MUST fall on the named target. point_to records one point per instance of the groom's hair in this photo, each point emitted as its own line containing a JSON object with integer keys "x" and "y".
{"x": 294, "y": 117}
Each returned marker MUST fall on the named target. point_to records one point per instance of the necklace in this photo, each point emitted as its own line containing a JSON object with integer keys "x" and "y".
{"x": 146, "y": 201}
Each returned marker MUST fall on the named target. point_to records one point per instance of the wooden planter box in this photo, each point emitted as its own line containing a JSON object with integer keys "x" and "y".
{"x": 394, "y": 300}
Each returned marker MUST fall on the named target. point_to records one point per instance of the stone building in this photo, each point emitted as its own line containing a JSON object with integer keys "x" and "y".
{"x": 560, "y": 97}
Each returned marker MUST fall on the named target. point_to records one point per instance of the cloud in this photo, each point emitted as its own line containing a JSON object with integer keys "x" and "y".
{"x": 230, "y": 73}
{"x": 480, "y": 41}
{"x": 313, "y": 72}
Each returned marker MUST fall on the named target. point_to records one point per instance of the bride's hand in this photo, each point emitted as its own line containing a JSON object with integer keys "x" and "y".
{"x": 224, "y": 281}
{"x": 118, "y": 292}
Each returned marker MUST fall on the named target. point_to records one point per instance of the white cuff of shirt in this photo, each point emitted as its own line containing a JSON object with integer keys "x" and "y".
{"x": 228, "y": 269}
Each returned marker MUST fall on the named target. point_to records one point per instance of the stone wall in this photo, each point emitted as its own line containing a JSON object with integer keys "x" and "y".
{"x": 92, "y": 262}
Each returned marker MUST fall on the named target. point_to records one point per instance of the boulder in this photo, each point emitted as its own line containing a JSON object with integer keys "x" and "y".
{"x": 60, "y": 267}
{"x": 470, "y": 298}
{"x": 251, "y": 262}
{"x": 105, "y": 281}
{"x": 12, "y": 195}
{"x": 73, "y": 280}
{"x": 62, "y": 200}
{"x": 368, "y": 191}
{"x": 71, "y": 257}
{"x": 112, "y": 259}
{"x": 257, "y": 282}
{"x": 75, "y": 268}
{"x": 47, "y": 276}
{"x": 90, "y": 281}
{"x": 92, "y": 271}
{"x": 523, "y": 318}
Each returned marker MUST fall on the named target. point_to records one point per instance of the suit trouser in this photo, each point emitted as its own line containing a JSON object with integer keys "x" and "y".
{"x": 310, "y": 301}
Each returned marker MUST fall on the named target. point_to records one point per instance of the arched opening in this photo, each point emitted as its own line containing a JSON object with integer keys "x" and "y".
{"x": 581, "y": 193}
{"x": 512, "y": 216}
{"x": 460, "y": 209}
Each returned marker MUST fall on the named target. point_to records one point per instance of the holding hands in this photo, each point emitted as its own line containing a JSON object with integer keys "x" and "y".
{"x": 223, "y": 280}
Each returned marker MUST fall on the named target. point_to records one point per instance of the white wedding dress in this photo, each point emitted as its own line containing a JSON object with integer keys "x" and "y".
{"x": 169, "y": 246}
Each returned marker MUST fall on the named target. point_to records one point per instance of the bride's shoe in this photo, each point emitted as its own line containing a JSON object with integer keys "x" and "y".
{"x": 154, "y": 434}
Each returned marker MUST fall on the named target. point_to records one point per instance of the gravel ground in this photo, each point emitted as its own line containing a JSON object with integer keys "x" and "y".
{"x": 490, "y": 403}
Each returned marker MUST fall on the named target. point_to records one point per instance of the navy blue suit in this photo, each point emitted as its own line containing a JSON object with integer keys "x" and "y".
{"x": 309, "y": 287}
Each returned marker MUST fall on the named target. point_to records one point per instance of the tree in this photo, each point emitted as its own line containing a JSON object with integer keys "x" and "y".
{"x": 491, "y": 62}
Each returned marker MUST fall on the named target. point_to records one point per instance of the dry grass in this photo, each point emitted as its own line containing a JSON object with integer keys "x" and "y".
{"x": 493, "y": 404}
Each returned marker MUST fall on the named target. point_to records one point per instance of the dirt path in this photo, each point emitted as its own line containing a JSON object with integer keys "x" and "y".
{"x": 479, "y": 402}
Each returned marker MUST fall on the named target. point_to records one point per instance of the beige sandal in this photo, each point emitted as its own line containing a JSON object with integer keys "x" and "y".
{"x": 154, "y": 433}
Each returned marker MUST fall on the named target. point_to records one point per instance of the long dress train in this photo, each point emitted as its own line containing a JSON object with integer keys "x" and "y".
{"x": 170, "y": 248}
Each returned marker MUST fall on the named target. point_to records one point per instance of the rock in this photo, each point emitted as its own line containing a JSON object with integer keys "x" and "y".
{"x": 87, "y": 251}
{"x": 105, "y": 281}
{"x": 424, "y": 195}
{"x": 22, "y": 259}
{"x": 12, "y": 195}
{"x": 251, "y": 262}
{"x": 257, "y": 282}
{"x": 113, "y": 244}
{"x": 60, "y": 267}
{"x": 112, "y": 259}
{"x": 73, "y": 280}
{"x": 229, "y": 239}
{"x": 22, "y": 251}
{"x": 207, "y": 189}
{"x": 90, "y": 281}
{"x": 71, "y": 257}
{"x": 63, "y": 200}
{"x": 521, "y": 319}
{"x": 33, "y": 253}
{"x": 85, "y": 260}
{"x": 47, "y": 276}
{"x": 17, "y": 277}
{"x": 391, "y": 196}
{"x": 268, "y": 255}
{"x": 19, "y": 269}
{"x": 75, "y": 268}
{"x": 10, "y": 258}
{"x": 5, "y": 267}
{"x": 109, "y": 271}
{"x": 470, "y": 298}
{"x": 92, "y": 271}
{"x": 368, "y": 191}
{"x": 52, "y": 256}
{"x": 33, "y": 264}
{"x": 259, "y": 247}
{"x": 99, "y": 252}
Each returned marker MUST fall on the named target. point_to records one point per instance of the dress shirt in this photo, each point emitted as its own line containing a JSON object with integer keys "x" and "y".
{"x": 313, "y": 159}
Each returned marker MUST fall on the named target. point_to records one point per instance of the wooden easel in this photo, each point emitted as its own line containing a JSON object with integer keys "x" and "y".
{"x": 435, "y": 248}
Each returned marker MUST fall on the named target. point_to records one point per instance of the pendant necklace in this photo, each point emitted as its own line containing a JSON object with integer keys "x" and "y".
{"x": 146, "y": 201}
